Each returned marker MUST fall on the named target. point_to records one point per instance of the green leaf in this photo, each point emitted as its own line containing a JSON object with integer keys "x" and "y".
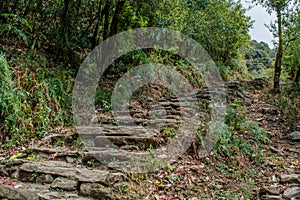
{"x": 16, "y": 156}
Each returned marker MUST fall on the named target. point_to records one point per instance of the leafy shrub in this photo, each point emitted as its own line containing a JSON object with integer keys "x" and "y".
{"x": 11, "y": 98}
{"x": 16, "y": 25}
{"x": 31, "y": 104}
{"x": 240, "y": 136}
{"x": 288, "y": 102}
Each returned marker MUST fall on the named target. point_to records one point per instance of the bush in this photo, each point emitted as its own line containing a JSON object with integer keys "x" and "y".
{"x": 32, "y": 104}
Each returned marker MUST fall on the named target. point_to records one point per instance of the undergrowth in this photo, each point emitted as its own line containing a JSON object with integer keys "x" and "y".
{"x": 241, "y": 136}
{"x": 33, "y": 100}
{"x": 288, "y": 102}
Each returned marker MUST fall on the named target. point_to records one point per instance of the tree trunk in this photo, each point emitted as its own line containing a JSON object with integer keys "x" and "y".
{"x": 106, "y": 21}
{"x": 64, "y": 17}
{"x": 277, "y": 67}
{"x": 96, "y": 30}
{"x": 115, "y": 20}
{"x": 297, "y": 79}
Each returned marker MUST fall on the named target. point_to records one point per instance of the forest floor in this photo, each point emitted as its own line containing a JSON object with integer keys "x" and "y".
{"x": 216, "y": 177}
{"x": 261, "y": 175}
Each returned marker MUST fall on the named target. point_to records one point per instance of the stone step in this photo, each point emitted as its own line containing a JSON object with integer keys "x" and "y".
{"x": 28, "y": 191}
{"x": 141, "y": 141}
{"x": 115, "y": 130}
{"x": 128, "y": 121}
{"x": 63, "y": 169}
{"x": 112, "y": 136}
{"x": 58, "y": 152}
{"x": 45, "y": 180}
{"x": 177, "y": 104}
{"x": 125, "y": 161}
{"x": 119, "y": 141}
{"x": 105, "y": 156}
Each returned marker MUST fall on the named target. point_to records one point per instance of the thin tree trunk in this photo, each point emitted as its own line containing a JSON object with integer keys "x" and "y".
{"x": 96, "y": 30}
{"x": 106, "y": 20}
{"x": 115, "y": 20}
{"x": 64, "y": 16}
{"x": 277, "y": 67}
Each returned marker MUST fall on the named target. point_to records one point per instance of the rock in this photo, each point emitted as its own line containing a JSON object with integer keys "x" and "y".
{"x": 269, "y": 111}
{"x": 130, "y": 148}
{"x": 70, "y": 159}
{"x": 58, "y": 152}
{"x": 92, "y": 176}
{"x": 247, "y": 102}
{"x": 65, "y": 184}
{"x": 58, "y": 168}
{"x": 257, "y": 83}
{"x": 3, "y": 171}
{"x": 271, "y": 197}
{"x": 13, "y": 193}
{"x": 48, "y": 178}
{"x": 96, "y": 191}
{"x": 41, "y": 178}
{"x": 16, "y": 174}
{"x": 14, "y": 162}
{"x": 294, "y": 135}
{"x": 60, "y": 195}
{"x": 290, "y": 178}
{"x": 271, "y": 190}
{"x": 293, "y": 192}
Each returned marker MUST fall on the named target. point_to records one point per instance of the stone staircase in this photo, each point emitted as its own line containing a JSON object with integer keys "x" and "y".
{"x": 52, "y": 173}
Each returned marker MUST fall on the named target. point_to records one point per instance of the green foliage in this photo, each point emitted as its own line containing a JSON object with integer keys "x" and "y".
{"x": 134, "y": 16}
{"x": 280, "y": 29}
{"x": 68, "y": 29}
{"x": 291, "y": 59}
{"x": 222, "y": 28}
{"x": 169, "y": 132}
{"x": 11, "y": 99}
{"x": 239, "y": 134}
{"x": 259, "y": 134}
{"x": 103, "y": 95}
{"x": 32, "y": 105}
{"x": 14, "y": 24}
{"x": 259, "y": 58}
{"x": 288, "y": 102}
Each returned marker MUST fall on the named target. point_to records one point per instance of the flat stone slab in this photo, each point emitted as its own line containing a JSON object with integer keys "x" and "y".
{"x": 11, "y": 192}
{"x": 65, "y": 184}
{"x": 109, "y": 129}
{"x": 292, "y": 192}
{"x": 102, "y": 141}
{"x": 271, "y": 197}
{"x": 96, "y": 191}
{"x": 294, "y": 135}
{"x": 61, "y": 196}
{"x": 290, "y": 178}
{"x": 63, "y": 169}
{"x": 109, "y": 155}
{"x": 58, "y": 152}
